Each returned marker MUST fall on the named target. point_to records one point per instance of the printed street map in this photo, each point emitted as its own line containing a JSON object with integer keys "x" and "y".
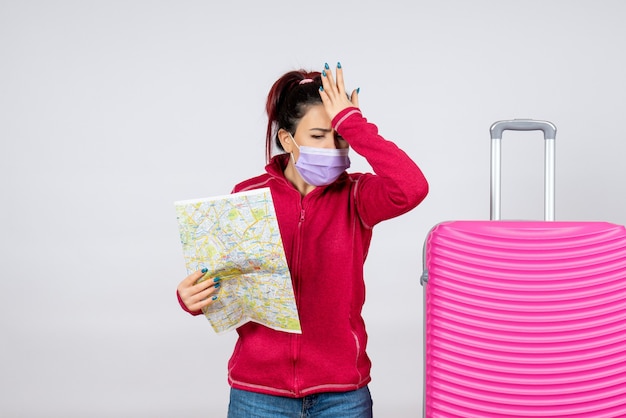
{"x": 236, "y": 237}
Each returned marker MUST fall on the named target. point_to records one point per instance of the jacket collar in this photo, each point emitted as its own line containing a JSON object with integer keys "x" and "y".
{"x": 277, "y": 165}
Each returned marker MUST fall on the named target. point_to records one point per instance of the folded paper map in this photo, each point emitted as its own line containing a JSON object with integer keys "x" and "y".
{"x": 236, "y": 237}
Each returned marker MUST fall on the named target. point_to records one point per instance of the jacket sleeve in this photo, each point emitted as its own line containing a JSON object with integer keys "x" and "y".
{"x": 397, "y": 185}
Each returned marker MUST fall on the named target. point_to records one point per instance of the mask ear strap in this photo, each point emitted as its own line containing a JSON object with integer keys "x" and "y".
{"x": 296, "y": 144}
{"x": 294, "y": 141}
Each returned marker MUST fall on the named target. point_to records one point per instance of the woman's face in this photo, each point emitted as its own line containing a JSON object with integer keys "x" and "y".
{"x": 315, "y": 130}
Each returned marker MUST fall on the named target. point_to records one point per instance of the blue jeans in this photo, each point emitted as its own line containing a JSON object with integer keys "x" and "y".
{"x": 353, "y": 404}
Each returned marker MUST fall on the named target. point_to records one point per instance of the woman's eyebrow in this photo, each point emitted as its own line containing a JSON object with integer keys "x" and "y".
{"x": 325, "y": 130}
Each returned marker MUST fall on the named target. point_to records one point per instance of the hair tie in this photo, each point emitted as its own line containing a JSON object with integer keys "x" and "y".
{"x": 306, "y": 80}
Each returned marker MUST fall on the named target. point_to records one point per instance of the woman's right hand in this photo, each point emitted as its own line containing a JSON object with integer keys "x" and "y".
{"x": 197, "y": 296}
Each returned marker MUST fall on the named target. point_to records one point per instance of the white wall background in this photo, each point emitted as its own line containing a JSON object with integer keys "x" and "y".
{"x": 111, "y": 110}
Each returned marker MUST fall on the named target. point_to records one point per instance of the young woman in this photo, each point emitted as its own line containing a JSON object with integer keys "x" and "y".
{"x": 326, "y": 218}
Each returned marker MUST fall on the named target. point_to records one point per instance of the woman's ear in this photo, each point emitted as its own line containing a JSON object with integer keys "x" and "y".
{"x": 285, "y": 140}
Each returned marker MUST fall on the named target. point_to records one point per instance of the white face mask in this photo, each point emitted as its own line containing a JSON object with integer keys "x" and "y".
{"x": 321, "y": 166}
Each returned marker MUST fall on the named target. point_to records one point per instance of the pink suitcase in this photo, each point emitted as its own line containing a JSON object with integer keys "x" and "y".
{"x": 524, "y": 318}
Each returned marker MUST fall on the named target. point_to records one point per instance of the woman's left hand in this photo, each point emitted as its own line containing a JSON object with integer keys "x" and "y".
{"x": 333, "y": 93}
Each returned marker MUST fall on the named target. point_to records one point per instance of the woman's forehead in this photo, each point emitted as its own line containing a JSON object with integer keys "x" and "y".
{"x": 316, "y": 118}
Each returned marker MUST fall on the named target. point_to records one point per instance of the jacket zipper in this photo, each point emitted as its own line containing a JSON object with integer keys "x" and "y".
{"x": 295, "y": 346}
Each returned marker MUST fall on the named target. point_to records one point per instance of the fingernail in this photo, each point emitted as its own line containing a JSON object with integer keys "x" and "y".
{"x": 217, "y": 285}
{"x": 324, "y": 73}
{"x": 214, "y": 297}
{"x": 217, "y": 279}
{"x": 204, "y": 270}
{"x": 326, "y": 66}
{"x": 358, "y": 89}
{"x": 338, "y": 64}
{"x": 321, "y": 88}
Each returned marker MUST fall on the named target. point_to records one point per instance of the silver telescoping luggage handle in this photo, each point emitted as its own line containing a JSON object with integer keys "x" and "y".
{"x": 549, "y": 135}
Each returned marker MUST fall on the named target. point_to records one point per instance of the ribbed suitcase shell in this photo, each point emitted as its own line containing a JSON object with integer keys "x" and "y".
{"x": 525, "y": 319}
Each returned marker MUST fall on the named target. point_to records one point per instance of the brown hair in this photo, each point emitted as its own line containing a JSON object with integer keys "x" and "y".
{"x": 287, "y": 102}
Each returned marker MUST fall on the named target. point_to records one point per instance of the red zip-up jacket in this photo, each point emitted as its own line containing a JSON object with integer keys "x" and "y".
{"x": 326, "y": 236}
